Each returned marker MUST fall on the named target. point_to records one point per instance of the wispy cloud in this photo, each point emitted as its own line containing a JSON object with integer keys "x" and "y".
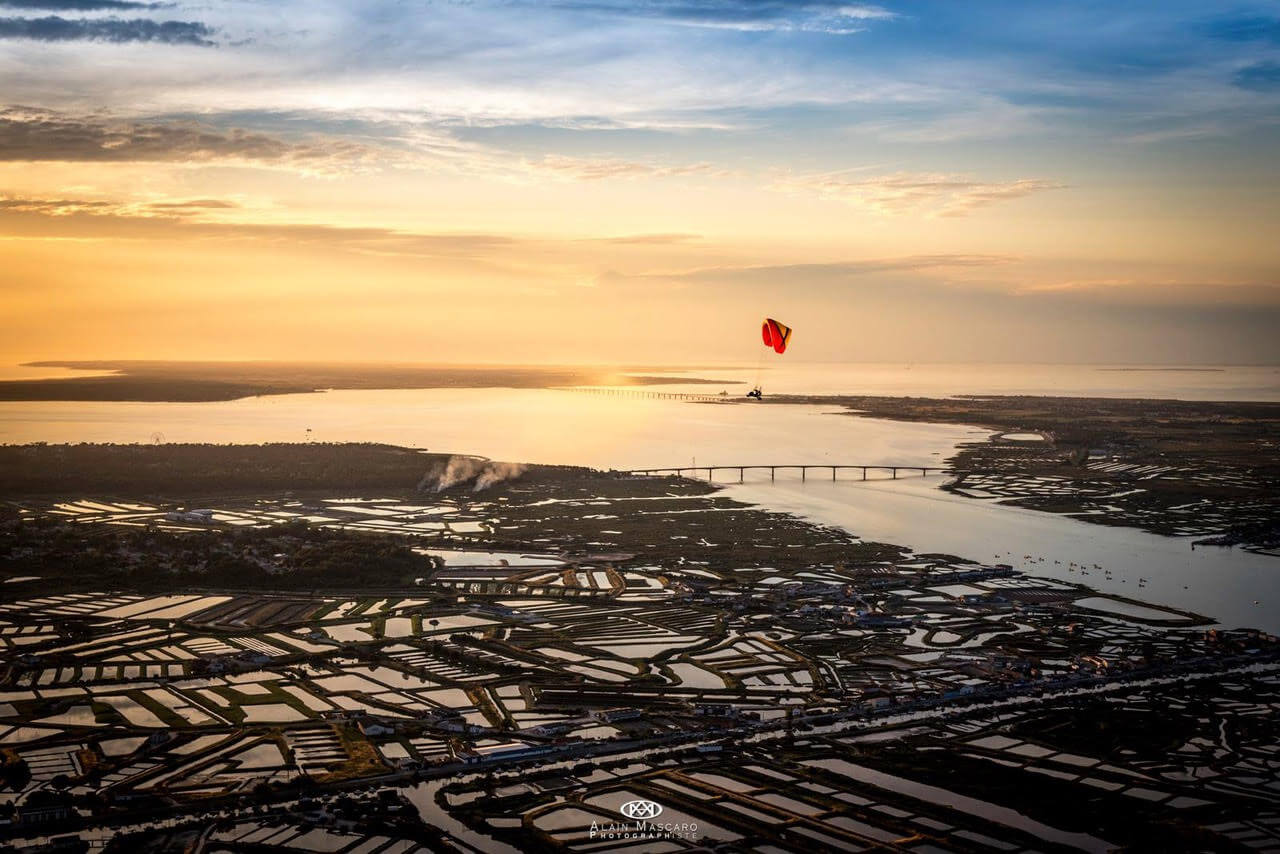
{"x": 230, "y": 219}
{"x": 80, "y": 5}
{"x": 55, "y": 28}
{"x": 26, "y": 216}
{"x": 28, "y": 134}
{"x": 31, "y": 134}
{"x": 1244, "y": 28}
{"x": 827, "y": 272}
{"x": 647, "y": 239}
{"x": 1146, "y": 291}
{"x": 595, "y": 169}
{"x": 935, "y": 194}
{"x": 825, "y": 16}
{"x": 1260, "y": 77}
{"x": 175, "y": 210}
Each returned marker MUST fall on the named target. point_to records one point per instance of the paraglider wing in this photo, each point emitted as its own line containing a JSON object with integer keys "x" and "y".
{"x": 776, "y": 335}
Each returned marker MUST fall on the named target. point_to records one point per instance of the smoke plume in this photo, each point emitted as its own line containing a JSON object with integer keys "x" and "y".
{"x": 496, "y": 473}
{"x": 458, "y": 470}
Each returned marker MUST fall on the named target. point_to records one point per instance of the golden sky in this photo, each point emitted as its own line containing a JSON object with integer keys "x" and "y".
{"x": 600, "y": 181}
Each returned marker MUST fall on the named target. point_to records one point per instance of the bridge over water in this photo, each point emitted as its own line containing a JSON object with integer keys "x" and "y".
{"x": 804, "y": 469}
{"x": 653, "y": 393}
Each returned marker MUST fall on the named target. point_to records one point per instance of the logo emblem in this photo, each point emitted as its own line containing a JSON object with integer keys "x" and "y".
{"x": 641, "y": 809}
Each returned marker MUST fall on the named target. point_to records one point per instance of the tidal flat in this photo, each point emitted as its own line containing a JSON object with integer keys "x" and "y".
{"x": 542, "y": 643}
{"x": 1205, "y": 470}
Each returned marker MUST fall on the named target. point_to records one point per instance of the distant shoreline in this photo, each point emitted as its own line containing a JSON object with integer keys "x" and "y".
{"x": 156, "y": 381}
{"x": 202, "y": 382}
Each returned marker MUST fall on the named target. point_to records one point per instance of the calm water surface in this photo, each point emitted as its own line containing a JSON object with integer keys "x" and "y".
{"x": 523, "y": 425}
{"x": 786, "y": 376}
{"x": 548, "y": 426}
{"x": 1235, "y": 587}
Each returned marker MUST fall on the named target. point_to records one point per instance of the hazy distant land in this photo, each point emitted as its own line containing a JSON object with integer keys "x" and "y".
{"x": 181, "y": 382}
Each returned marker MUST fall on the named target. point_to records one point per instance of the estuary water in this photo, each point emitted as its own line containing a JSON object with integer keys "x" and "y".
{"x": 1232, "y": 586}
{"x": 576, "y": 428}
{"x": 518, "y": 425}
{"x": 1183, "y": 382}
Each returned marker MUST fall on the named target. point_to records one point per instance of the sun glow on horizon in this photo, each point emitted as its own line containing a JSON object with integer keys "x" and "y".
{"x": 556, "y": 183}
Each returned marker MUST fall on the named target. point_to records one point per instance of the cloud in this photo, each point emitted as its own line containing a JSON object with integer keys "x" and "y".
{"x": 1259, "y": 77}
{"x": 589, "y": 169}
{"x": 194, "y": 205}
{"x": 79, "y": 5}
{"x": 58, "y": 207}
{"x": 826, "y": 16}
{"x": 33, "y": 134}
{"x": 1245, "y": 28}
{"x": 965, "y": 284}
{"x": 638, "y": 64}
{"x": 647, "y": 239}
{"x": 937, "y": 194}
{"x": 173, "y": 211}
{"x": 25, "y": 216}
{"x": 205, "y": 218}
{"x": 28, "y": 134}
{"x": 54, "y": 28}
{"x": 520, "y": 263}
{"x": 837, "y": 271}
{"x": 1167, "y": 292}
{"x": 22, "y": 216}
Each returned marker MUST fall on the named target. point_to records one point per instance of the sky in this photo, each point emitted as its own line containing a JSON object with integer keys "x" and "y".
{"x": 640, "y": 181}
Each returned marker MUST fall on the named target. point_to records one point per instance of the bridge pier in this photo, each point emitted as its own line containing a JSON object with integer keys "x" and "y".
{"x": 895, "y": 473}
{"x": 864, "y": 472}
{"x": 741, "y": 474}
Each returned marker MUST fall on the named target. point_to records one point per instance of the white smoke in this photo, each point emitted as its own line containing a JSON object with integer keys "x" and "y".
{"x": 458, "y": 470}
{"x": 497, "y": 473}
{"x": 455, "y": 471}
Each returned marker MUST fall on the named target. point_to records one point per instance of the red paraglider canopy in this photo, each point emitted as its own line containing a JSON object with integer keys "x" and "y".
{"x": 776, "y": 335}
